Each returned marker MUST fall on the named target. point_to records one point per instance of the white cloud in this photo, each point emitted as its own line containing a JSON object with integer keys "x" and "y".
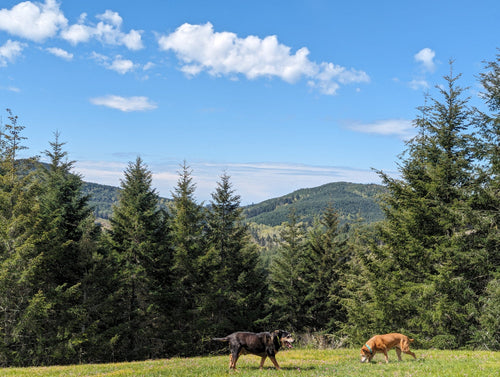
{"x": 33, "y": 21}
{"x": 148, "y": 66}
{"x": 59, "y": 52}
{"x": 426, "y": 58}
{"x": 399, "y": 127}
{"x": 121, "y": 66}
{"x": 10, "y": 51}
{"x": 199, "y": 49}
{"x": 125, "y": 104}
{"x": 107, "y": 31}
{"x": 417, "y": 84}
{"x": 118, "y": 64}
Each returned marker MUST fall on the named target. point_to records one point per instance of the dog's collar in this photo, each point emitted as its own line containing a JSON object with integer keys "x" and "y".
{"x": 367, "y": 346}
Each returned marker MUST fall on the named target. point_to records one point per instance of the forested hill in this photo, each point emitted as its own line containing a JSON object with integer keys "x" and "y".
{"x": 102, "y": 198}
{"x": 351, "y": 200}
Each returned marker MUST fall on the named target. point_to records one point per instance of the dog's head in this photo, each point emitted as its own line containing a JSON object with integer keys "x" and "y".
{"x": 284, "y": 337}
{"x": 366, "y": 354}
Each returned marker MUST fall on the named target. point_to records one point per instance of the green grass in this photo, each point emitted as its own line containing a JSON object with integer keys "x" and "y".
{"x": 344, "y": 362}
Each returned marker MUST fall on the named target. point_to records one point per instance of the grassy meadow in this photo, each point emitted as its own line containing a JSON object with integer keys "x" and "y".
{"x": 298, "y": 362}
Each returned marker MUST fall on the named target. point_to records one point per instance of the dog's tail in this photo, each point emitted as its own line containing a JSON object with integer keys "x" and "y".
{"x": 410, "y": 340}
{"x": 225, "y": 339}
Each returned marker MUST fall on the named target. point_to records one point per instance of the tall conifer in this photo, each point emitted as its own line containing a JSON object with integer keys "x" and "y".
{"x": 235, "y": 285}
{"x": 188, "y": 222}
{"x": 141, "y": 250}
{"x": 424, "y": 265}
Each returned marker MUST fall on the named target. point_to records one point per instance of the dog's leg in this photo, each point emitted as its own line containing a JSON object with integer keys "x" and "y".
{"x": 262, "y": 361}
{"x": 273, "y": 359}
{"x": 410, "y": 353}
{"x": 235, "y": 354}
{"x": 384, "y": 350}
{"x": 398, "y": 351}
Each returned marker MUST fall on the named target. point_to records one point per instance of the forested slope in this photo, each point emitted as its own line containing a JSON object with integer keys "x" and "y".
{"x": 351, "y": 200}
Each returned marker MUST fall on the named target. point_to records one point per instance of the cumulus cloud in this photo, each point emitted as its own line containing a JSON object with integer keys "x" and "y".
{"x": 399, "y": 127}
{"x": 59, "y": 52}
{"x": 121, "y": 66}
{"x": 426, "y": 58}
{"x": 199, "y": 48}
{"x": 118, "y": 64}
{"x": 108, "y": 31}
{"x": 125, "y": 104}
{"x": 33, "y": 21}
{"x": 10, "y": 51}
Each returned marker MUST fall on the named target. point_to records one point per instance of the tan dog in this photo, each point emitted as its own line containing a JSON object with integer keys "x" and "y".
{"x": 383, "y": 343}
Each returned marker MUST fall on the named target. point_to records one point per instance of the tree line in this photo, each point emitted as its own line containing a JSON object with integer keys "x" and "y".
{"x": 163, "y": 280}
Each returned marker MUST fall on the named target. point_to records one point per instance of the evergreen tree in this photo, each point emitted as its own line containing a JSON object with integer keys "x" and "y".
{"x": 487, "y": 206}
{"x": 286, "y": 279}
{"x": 235, "y": 285}
{"x": 326, "y": 257}
{"x": 424, "y": 267}
{"x": 19, "y": 207}
{"x": 139, "y": 239}
{"x": 54, "y": 325}
{"x": 188, "y": 222}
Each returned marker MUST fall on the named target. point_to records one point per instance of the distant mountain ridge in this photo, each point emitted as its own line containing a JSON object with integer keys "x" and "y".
{"x": 351, "y": 200}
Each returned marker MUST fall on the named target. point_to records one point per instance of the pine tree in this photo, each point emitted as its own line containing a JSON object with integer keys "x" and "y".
{"x": 19, "y": 207}
{"x": 424, "y": 265}
{"x": 286, "y": 282}
{"x": 235, "y": 285}
{"x": 326, "y": 257}
{"x": 188, "y": 222}
{"x": 139, "y": 240}
{"x": 487, "y": 205}
{"x": 53, "y": 326}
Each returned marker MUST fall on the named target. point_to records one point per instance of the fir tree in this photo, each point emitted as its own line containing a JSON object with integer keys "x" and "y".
{"x": 287, "y": 286}
{"x": 188, "y": 222}
{"x": 424, "y": 266}
{"x": 19, "y": 208}
{"x": 55, "y": 323}
{"x": 235, "y": 285}
{"x": 140, "y": 247}
{"x": 326, "y": 257}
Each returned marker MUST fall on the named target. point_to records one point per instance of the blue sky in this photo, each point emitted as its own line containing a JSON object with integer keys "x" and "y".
{"x": 280, "y": 95}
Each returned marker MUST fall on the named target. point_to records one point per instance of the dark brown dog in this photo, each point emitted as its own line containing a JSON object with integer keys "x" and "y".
{"x": 263, "y": 344}
{"x": 383, "y": 343}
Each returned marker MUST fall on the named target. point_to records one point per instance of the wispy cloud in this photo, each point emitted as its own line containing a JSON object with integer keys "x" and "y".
{"x": 254, "y": 182}
{"x": 33, "y": 21}
{"x": 126, "y": 104}
{"x": 199, "y": 48}
{"x": 390, "y": 127}
{"x": 59, "y": 52}
{"x": 9, "y": 51}
{"x": 417, "y": 84}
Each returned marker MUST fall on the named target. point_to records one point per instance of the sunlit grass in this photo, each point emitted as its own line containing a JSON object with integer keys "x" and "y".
{"x": 305, "y": 362}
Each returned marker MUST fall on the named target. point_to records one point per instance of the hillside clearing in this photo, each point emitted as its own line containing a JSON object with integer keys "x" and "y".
{"x": 344, "y": 362}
